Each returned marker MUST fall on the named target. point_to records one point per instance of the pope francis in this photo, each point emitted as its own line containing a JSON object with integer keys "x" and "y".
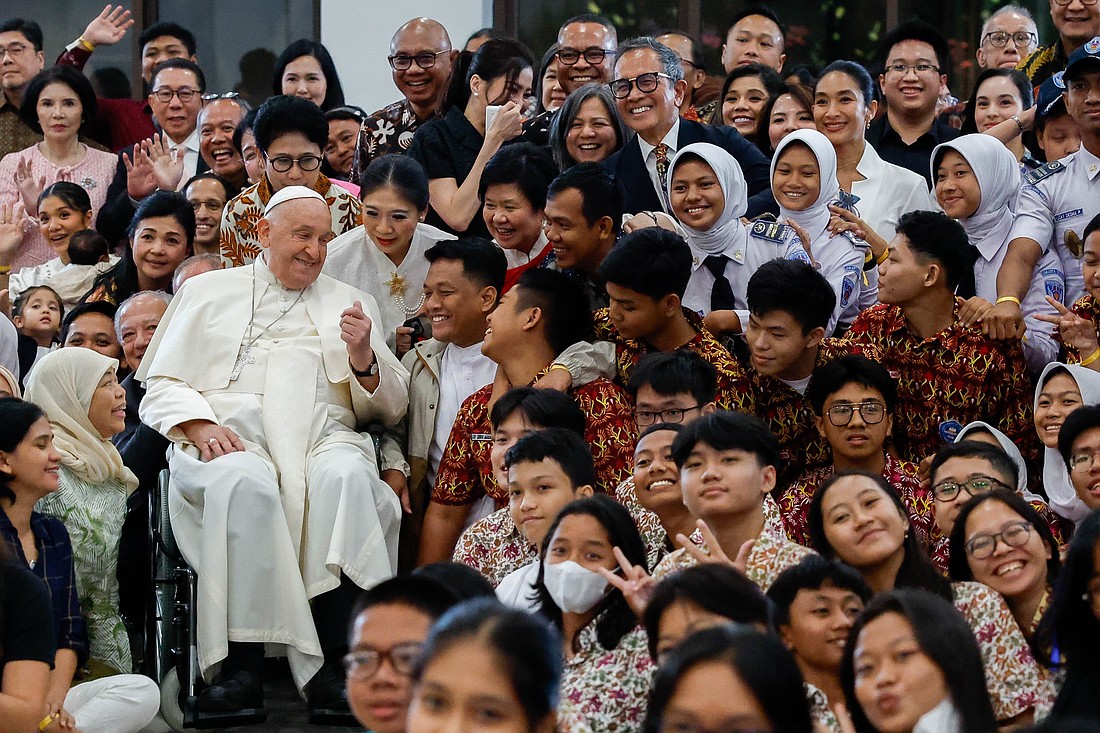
{"x": 261, "y": 376}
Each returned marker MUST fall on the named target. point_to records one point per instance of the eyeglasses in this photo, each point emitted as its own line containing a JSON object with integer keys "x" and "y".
{"x": 1020, "y": 39}
{"x": 948, "y": 490}
{"x": 646, "y": 83}
{"x": 1082, "y": 461}
{"x": 164, "y": 94}
{"x": 1064, "y": 3}
{"x": 213, "y": 97}
{"x": 918, "y": 69}
{"x": 425, "y": 60}
{"x": 871, "y": 411}
{"x": 283, "y": 163}
{"x": 15, "y": 50}
{"x": 674, "y": 414}
{"x": 593, "y": 55}
{"x": 1015, "y": 534}
{"x": 365, "y": 663}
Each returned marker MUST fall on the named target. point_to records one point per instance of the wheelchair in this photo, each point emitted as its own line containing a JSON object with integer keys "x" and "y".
{"x": 171, "y": 648}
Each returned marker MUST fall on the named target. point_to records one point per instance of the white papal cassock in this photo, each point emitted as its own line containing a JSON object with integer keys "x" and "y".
{"x": 272, "y": 527}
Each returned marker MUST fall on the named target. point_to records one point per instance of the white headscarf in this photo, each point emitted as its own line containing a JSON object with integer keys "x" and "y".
{"x": 1061, "y": 495}
{"x": 728, "y": 228}
{"x": 815, "y": 217}
{"x": 1010, "y": 450}
{"x": 62, "y": 384}
{"x": 998, "y": 175}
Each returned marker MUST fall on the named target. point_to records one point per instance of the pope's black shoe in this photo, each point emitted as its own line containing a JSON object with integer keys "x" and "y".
{"x": 240, "y": 686}
{"x": 326, "y": 696}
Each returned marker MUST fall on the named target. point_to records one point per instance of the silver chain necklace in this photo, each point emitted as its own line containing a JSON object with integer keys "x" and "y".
{"x": 246, "y": 356}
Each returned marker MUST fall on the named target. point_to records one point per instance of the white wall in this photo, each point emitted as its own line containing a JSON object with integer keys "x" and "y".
{"x": 357, "y": 33}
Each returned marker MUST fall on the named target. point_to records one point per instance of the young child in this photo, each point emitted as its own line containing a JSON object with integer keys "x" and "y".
{"x": 37, "y": 314}
{"x": 546, "y": 470}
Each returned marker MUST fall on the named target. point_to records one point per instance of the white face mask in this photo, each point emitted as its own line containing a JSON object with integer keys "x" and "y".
{"x": 574, "y": 588}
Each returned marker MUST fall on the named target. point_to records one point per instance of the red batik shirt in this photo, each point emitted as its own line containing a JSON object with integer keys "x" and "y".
{"x": 950, "y": 379}
{"x": 794, "y": 502}
{"x": 466, "y": 471}
{"x": 1086, "y": 307}
{"x": 733, "y": 385}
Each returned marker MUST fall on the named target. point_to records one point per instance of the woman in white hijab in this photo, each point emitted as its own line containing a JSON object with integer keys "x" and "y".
{"x": 804, "y": 183}
{"x": 1062, "y": 388}
{"x": 977, "y": 179}
{"x": 79, "y": 391}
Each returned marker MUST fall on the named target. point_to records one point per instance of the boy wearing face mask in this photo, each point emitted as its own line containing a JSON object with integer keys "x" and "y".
{"x": 546, "y": 470}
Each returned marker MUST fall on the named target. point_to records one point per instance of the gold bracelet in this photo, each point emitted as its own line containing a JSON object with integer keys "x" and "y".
{"x": 1007, "y": 299}
{"x": 5, "y": 269}
{"x": 49, "y": 719}
{"x": 85, "y": 45}
{"x": 883, "y": 257}
{"x": 560, "y": 366}
{"x": 1092, "y": 357}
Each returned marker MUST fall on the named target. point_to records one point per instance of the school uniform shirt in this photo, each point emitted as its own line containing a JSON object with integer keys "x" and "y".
{"x": 1056, "y": 203}
{"x": 517, "y": 588}
{"x": 461, "y": 371}
{"x": 947, "y": 380}
{"x": 1088, "y": 308}
{"x": 608, "y": 688}
{"x": 656, "y": 540}
{"x": 494, "y": 547}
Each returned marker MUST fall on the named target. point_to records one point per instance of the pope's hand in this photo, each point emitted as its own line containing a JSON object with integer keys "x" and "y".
{"x": 355, "y": 328}
{"x": 211, "y": 439}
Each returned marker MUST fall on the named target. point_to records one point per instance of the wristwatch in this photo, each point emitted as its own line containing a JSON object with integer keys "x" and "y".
{"x": 371, "y": 371}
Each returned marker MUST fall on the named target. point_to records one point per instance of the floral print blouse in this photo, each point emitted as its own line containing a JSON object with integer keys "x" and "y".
{"x": 606, "y": 690}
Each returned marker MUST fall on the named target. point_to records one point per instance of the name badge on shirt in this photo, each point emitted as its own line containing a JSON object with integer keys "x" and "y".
{"x": 1044, "y": 171}
{"x": 949, "y": 430}
{"x": 1068, "y": 214}
{"x": 771, "y": 231}
{"x": 481, "y": 437}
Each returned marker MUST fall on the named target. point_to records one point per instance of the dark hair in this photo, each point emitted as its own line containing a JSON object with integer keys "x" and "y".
{"x": 1091, "y": 227}
{"x": 661, "y": 427}
{"x": 285, "y": 114}
{"x": 723, "y": 430}
{"x": 544, "y": 408}
{"x": 30, "y": 30}
{"x": 87, "y": 247}
{"x": 562, "y": 302}
{"x": 231, "y": 190}
{"x": 917, "y": 30}
{"x": 334, "y": 92}
{"x": 1023, "y": 87}
{"x": 803, "y": 74}
{"x": 348, "y": 112}
{"x": 157, "y": 30}
{"x": 1078, "y": 422}
{"x": 487, "y": 32}
{"x": 547, "y": 59}
{"x": 177, "y": 63}
{"x": 717, "y": 589}
{"x": 813, "y": 572}
{"x": 102, "y": 307}
{"x": 857, "y": 73}
{"x": 111, "y": 82}
{"x": 71, "y": 78}
{"x": 762, "y": 10}
{"x": 958, "y": 562}
{"x": 652, "y": 261}
{"x": 600, "y": 194}
{"x": 945, "y": 637}
{"x": 428, "y": 596}
{"x": 399, "y": 172}
{"x": 461, "y": 580}
{"x": 526, "y": 649}
{"x": 994, "y": 455}
{"x": 675, "y": 372}
{"x": 16, "y": 418}
{"x": 613, "y": 617}
{"x": 248, "y": 123}
{"x": 802, "y": 93}
{"x": 933, "y": 235}
{"x": 793, "y": 287}
{"x": 760, "y": 660}
{"x": 1069, "y": 630}
{"x": 916, "y": 570}
{"x": 570, "y": 108}
{"x": 496, "y": 58}
{"x": 831, "y": 377}
{"x": 21, "y": 301}
{"x": 562, "y": 446}
{"x": 529, "y": 167}
{"x": 482, "y": 261}
{"x": 773, "y": 84}
{"x": 71, "y": 194}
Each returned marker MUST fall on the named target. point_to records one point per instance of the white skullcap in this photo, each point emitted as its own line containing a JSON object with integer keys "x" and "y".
{"x": 289, "y": 194}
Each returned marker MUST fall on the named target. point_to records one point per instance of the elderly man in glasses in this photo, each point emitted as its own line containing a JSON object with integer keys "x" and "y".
{"x": 291, "y": 133}
{"x": 1076, "y": 21}
{"x": 421, "y": 58}
{"x": 1008, "y": 37}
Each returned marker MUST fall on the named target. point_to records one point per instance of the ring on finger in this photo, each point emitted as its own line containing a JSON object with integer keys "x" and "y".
{"x": 213, "y": 441}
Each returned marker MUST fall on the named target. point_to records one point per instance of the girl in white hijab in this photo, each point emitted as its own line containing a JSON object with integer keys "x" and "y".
{"x": 977, "y": 179}
{"x": 1062, "y": 388}
{"x": 804, "y": 183}
{"x": 79, "y": 391}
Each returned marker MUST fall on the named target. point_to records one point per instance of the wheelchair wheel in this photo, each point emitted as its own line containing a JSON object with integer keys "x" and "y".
{"x": 169, "y": 700}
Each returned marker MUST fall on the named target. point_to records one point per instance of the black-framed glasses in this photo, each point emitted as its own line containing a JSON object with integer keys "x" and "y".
{"x": 674, "y": 414}
{"x": 1020, "y": 39}
{"x": 283, "y": 163}
{"x": 1014, "y": 534}
{"x": 15, "y": 50}
{"x": 164, "y": 94}
{"x": 870, "y": 411}
{"x": 948, "y": 490}
{"x": 1064, "y": 3}
{"x": 426, "y": 60}
{"x": 646, "y": 83}
{"x": 918, "y": 69}
{"x": 593, "y": 55}
{"x": 214, "y": 96}
{"x": 365, "y": 663}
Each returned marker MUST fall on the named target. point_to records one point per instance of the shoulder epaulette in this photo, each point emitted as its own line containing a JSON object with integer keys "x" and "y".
{"x": 771, "y": 231}
{"x": 1044, "y": 171}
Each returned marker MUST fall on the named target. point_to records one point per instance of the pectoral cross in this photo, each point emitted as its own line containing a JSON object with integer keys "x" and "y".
{"x": 238, "y": 366}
